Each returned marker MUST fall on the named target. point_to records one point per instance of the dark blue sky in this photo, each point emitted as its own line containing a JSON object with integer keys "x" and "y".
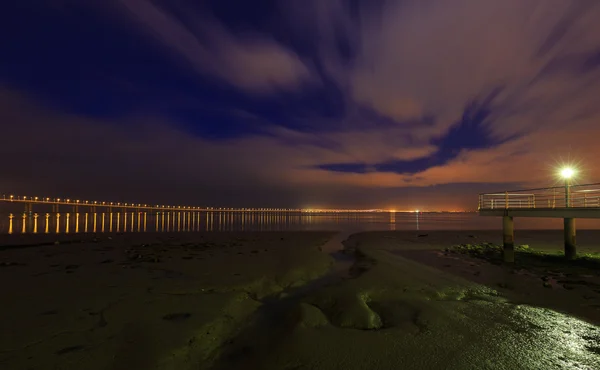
{"x": 315, "y": 97}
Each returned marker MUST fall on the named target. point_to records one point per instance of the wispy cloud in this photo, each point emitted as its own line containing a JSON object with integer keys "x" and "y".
{"x": 433, "y": 58}
{"x": 257, "y": 64}
{"x": 151, "y": 160}
{"x": 519, "y": 79}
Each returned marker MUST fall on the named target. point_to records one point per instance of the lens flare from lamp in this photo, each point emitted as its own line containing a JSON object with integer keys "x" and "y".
{"x": 567, "y": 173}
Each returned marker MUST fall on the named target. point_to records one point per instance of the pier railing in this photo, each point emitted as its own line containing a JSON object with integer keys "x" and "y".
{"x": 574, "y": 196}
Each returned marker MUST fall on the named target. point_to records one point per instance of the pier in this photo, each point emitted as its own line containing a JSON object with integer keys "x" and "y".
{"x": 568, "y": 202}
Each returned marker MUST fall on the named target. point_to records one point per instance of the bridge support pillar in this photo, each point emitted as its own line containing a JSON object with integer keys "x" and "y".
{"x": 570, "y": 239}
{"x": 508, "y": 238}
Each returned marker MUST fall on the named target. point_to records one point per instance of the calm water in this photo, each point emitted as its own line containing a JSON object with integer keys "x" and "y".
{"x": 224, "y": 221}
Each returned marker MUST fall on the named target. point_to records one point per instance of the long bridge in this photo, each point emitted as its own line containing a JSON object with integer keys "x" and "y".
{"x": 65, "y": 215}
{"x": 568, "y": 202}
{"x": 60, "y": 215}
{"x": 76, "y": 204}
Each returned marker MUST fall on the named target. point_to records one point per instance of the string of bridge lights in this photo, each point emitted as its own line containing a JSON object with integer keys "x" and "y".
{"x": 78, "y": 202}
{"x": 89, "y": 203}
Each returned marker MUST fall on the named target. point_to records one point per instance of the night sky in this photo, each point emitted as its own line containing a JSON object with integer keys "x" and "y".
{"x": 297, "y": 103}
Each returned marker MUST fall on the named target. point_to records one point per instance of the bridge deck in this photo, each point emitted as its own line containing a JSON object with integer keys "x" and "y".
{"x": 543, "y": 212}
{"x": 131, "y": 206}
{"x": 119, "y": 206}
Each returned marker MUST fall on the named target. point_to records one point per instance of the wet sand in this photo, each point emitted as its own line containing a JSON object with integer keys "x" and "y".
{"x": 281, "y": 301}
{"x": 397, "y": 311}
{"x": 565, "y": 286}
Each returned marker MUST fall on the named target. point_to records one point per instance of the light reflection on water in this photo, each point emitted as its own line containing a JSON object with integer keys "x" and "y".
{"x": 261, "y": 221}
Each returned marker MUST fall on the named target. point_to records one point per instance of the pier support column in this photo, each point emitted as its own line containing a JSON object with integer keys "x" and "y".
{"x": 570, "y": 239}
{"x": 508, "y": 237}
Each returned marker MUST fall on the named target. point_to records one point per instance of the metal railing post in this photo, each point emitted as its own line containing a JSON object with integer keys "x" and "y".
{"x": 506, "y": 199}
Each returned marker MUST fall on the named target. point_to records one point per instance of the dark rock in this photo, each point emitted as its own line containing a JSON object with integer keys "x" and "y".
{"x": 177, "y": 316}
{"x": 66, "y": 350}
{"x": 8, "y": 264}
{"x": 102, "y": 321}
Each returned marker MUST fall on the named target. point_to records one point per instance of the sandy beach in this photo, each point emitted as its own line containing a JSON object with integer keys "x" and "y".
{"x": 293, "y": 300}
{"x": 142, "y": 301}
